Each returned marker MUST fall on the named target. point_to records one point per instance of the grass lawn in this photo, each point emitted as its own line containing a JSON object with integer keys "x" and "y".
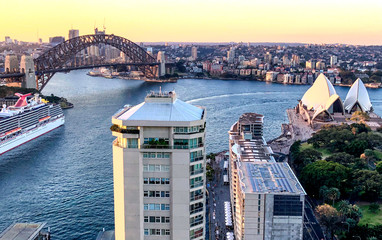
{"x": 325, "y": 153}
{"x": 369, "y": 217}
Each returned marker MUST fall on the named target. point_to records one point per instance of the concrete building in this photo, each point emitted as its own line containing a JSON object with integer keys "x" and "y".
{"x": 194, "y": 53}
{"x": 271, "y": 76}
{"x": 310, "y": 64}
{"x": 267, "y": 58}
{"x": 267, "y": 199}
{"x": 159, "y": 169}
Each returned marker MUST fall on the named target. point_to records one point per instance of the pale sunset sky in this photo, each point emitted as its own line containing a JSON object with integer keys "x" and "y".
{"x": 304, "y": 21}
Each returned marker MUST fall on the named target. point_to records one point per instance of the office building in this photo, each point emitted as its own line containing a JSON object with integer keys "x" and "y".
{"x": 159, "y": 169}
{"x": 267, "y": 199}
{"x": 73, "y": 33}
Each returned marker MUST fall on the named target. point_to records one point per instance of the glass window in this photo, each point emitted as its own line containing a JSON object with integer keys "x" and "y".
{"x": 145, "y": 180}
{"x": 146, "y": 232}
{"x": 146, "y": 219}
{"x": 146, "y": 206}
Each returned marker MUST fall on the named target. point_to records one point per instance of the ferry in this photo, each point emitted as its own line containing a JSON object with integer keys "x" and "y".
{"x": 26, "y": 120}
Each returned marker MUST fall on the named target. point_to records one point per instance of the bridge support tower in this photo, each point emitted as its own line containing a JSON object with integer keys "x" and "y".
{"x": 27, "y": 67}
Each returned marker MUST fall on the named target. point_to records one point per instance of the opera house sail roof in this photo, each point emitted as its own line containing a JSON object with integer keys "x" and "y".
{"x": 321, "y": 99}
{"x": 357, "y": 98}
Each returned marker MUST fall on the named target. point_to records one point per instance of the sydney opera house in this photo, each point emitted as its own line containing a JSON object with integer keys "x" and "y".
{"x": 321, "y": 103}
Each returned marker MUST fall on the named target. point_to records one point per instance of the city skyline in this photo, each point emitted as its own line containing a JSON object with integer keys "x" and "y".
{"x": 200, "y": 21}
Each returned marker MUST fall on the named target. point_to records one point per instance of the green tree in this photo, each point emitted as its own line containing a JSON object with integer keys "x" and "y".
{"x": 306, "y": 157}
{"x": 368, "y": 184}
{"x": 356, "y": 147}
{"x": 350, "y": 211}
{"x": 379, "y": 167}
{"x": 343, "y": 158}
{"x": 321, "y": 173}
{"x": 333, "y": 194}
{"x": 330, "y": 218}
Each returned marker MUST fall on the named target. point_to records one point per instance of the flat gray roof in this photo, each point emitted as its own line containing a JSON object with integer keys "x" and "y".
{"x": 276, "y": 178}
{"x": 22, "y": 231}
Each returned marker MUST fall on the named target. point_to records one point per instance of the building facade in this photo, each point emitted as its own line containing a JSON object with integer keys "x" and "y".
{"x": 159, "y": 169}
{"x": 267, "y": 199}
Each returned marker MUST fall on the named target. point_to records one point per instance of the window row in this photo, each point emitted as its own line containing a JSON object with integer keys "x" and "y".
{"x": 196, "y": 156}
{"x": 193, "y": 129}
{"x": 196, "y": 195}
{"x": 156, "y": 155}
{"x": 156, "y": 181}
{"x": 156, "y": 194}
{"x": 156, "y": 141}
{"x": 156, "y": 219}
{"x": 196, "y": 182}
{"x": 156, "y": 206}
{"x": 196, "y": 220}
{"x": 196, "y": 169}
{"x": 156, "y": 232}
{"x": 155, "y": 168}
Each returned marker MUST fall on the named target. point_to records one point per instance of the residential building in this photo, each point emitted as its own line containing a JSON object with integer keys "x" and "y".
{"x": 266, "y": 197}
{"x": 333, "y": 60}
{"x": 159, "y": 169}
{"x": 271, "y": 76}
{"x": 194, "y": 53}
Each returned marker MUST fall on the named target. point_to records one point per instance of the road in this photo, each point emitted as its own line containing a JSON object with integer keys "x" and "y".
{"x": 219, "y": 193}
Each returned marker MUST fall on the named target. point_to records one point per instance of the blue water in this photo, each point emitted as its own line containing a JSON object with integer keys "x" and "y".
{"x": 65, "y": 177}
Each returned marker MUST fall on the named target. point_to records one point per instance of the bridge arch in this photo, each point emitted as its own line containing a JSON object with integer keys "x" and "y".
{"x": 55, "y": 58}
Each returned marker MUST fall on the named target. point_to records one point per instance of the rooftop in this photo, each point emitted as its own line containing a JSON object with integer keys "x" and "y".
{"x": 254, "y": 150}
{"x": 22, "y": 231}
{"x": 161, "y": 107}
{"x": 250, "y": 118}
{"x": 276, "y": 178}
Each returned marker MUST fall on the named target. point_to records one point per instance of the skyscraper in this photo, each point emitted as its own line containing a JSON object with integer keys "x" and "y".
{"x": 159, "y": 169}
{"x": 231, "y": 55}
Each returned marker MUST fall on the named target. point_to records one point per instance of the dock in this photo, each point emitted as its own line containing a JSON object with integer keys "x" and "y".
{"x": 25, "y": 231}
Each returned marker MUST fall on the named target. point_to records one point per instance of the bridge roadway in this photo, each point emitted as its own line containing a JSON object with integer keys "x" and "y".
{"x": 66, "y": 69}
{"x": 11, "y": 75}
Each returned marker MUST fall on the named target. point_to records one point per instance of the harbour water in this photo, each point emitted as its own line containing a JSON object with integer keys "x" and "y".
{"x": 65, "y": 177}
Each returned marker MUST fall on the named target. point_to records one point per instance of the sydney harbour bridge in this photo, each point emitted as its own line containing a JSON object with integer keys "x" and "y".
{"x": 56, "y": 58}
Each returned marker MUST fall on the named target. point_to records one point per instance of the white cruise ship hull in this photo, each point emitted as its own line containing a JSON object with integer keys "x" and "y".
{"x": 31, "y": 134}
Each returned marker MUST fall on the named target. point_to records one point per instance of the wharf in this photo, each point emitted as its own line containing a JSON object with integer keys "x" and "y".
{"x": 25, "y": 231}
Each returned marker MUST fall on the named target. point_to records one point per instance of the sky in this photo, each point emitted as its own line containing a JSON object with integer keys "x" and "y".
{"x": 305, "y": 21}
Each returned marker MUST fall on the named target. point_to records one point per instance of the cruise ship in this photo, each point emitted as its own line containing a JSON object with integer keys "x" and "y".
{"x": 27, "y": 120}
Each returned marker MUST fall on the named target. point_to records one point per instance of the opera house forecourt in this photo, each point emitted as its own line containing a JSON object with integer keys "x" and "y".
{"x": 321, "y": 103}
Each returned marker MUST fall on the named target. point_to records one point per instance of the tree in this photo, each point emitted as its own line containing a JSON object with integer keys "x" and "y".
{"x": 379, "y": 167}
{"x": 374, "y": 207}
{"x": 344, "y": 158}
{"x": 360, "y": 116}
{"x": 321, "y": 173}
{"x": 306, "y": 157}
{"x": 368, "y": 184}
{"x": 350, "y": 211}
{"x": 333, "y": 194}
{"x": 330, "y": 218}
{"x": 356, "y": 147}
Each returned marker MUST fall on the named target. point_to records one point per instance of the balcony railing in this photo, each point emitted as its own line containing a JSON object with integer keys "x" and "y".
{"x": 196, "y": 210}
{"x": 197, "y": 184}
{"x": 188, "y": 133}
{"x": 196, "y": 159}
{"x": 196, "y": 223}
{"x": 197, "y": 197}
{"x": 156, "y": 146}
{"x": 197, "y": 171}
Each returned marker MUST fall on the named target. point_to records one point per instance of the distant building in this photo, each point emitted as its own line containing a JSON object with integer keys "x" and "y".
{"x": 8, "y": 40}
{"x": 231, "y": 55}
{"x": 310, "y": 64}
{"x": 320, "y": 65}
{"x": 56, "y": 40}
{"x": 268, "y": 58}
{"x": 275, "y": 60}
{"x": 159, "y": 170}
{"x": 286, "y": 61}
{"x": 295, "y": 60}
{"x": 73, "y": 33}
{"x": 266, "y": 197}
{"x": 194, "y": 53}
{"x": 271, "y": 76}
{"x": 162, "y": 59}
{"x": 333, "y": 61}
